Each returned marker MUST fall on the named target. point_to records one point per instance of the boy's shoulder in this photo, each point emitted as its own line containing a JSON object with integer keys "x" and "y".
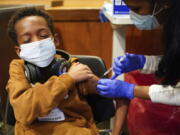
{"x": 68, "y": 57}
{"x": 16, "y": 62}
{"x": 16, "y": 66}
{"x": 73, "y": 59}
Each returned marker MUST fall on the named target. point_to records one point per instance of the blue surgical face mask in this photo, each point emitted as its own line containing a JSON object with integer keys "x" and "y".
{"x": 145, "y": 22}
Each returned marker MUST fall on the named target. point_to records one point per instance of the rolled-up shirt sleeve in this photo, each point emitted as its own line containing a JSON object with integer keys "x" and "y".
{"x": 151, "y": 64}
{"x": 165, "y": 94}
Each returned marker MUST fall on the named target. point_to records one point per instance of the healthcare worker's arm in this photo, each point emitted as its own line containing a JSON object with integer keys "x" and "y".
{"x": 120, "y": 115}
{"x": 165, "y": 94}
{"x": 157, "y": 93}
{"x": 141, "y": 92}
{"x": 30, "y": 102}
{"x": 129, "y": 62}
{"x": 151, "y": 64}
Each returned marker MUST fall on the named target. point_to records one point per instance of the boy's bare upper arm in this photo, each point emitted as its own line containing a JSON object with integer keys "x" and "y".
{"x": 89, "y": 86}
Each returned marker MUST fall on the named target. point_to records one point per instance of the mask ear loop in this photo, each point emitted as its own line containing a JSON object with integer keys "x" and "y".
{"x": 154, "y": 10}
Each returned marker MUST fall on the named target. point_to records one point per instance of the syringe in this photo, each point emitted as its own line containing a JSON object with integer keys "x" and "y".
{"x": 110, "y": 69}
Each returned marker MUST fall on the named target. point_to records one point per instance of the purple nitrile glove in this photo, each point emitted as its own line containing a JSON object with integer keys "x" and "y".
{"x": 127, "y": 63}
{"x": 115, "y": 89}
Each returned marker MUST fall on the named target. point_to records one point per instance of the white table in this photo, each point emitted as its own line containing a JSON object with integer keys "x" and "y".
{"x": 118, "y": 22}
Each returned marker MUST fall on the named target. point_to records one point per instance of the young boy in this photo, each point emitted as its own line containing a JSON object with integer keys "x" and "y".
{"x": 57, "y": 106}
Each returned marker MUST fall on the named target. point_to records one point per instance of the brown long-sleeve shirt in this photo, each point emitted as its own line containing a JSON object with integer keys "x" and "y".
{"x": 30, "y": 102}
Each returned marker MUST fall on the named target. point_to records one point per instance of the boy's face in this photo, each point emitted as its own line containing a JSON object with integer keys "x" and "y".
{"x": 31, "y": 29}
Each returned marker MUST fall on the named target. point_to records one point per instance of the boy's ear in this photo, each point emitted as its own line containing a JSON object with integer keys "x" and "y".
{"x": 17, "y": 50}
{"x": 56, "y": 40}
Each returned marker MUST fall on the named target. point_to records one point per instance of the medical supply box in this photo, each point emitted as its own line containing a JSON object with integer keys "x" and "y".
{"x": 119, "y": 7}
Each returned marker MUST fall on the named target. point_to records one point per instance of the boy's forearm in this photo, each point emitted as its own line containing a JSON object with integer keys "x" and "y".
{"x": 122, "y": 108}
{"x": 120, "y": 115}
{"x": 38, "y": 100}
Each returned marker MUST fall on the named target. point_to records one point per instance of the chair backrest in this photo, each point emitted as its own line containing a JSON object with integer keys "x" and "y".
{"x": 95, "y": 63}
{"x": 103, "y": 108}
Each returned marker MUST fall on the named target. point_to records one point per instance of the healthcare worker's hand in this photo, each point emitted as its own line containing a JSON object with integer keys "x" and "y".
{"x": 115, "y": 88}
{"x": 127, "y": 63}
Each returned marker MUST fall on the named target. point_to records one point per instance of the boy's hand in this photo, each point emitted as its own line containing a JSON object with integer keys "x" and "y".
{"x": 80, "y": 72}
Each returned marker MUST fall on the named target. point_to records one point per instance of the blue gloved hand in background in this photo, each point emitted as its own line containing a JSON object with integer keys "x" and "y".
{"x": 102, "y": 17}
{"x": 115, "y": 88}
{"x": 127, "y": 63}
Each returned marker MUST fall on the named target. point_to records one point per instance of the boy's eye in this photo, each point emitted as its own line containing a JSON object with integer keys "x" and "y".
{"x": 26, "y": 41}
{"x": 43, "y": 33}
{"x": 44, "y": 36}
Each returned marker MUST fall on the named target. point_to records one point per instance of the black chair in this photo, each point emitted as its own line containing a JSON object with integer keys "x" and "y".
{"x": 103, "y": 108}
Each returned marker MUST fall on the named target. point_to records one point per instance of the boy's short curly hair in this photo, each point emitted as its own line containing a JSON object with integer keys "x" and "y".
{"x": 24, "y": 12}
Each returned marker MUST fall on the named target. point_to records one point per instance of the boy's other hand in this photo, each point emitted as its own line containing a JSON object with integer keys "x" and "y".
{"x": 80, "y": 72}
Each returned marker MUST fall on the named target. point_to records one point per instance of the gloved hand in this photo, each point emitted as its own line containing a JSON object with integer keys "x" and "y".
{"x": 115, "y": 88}
{"x": 127, "y": 63}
